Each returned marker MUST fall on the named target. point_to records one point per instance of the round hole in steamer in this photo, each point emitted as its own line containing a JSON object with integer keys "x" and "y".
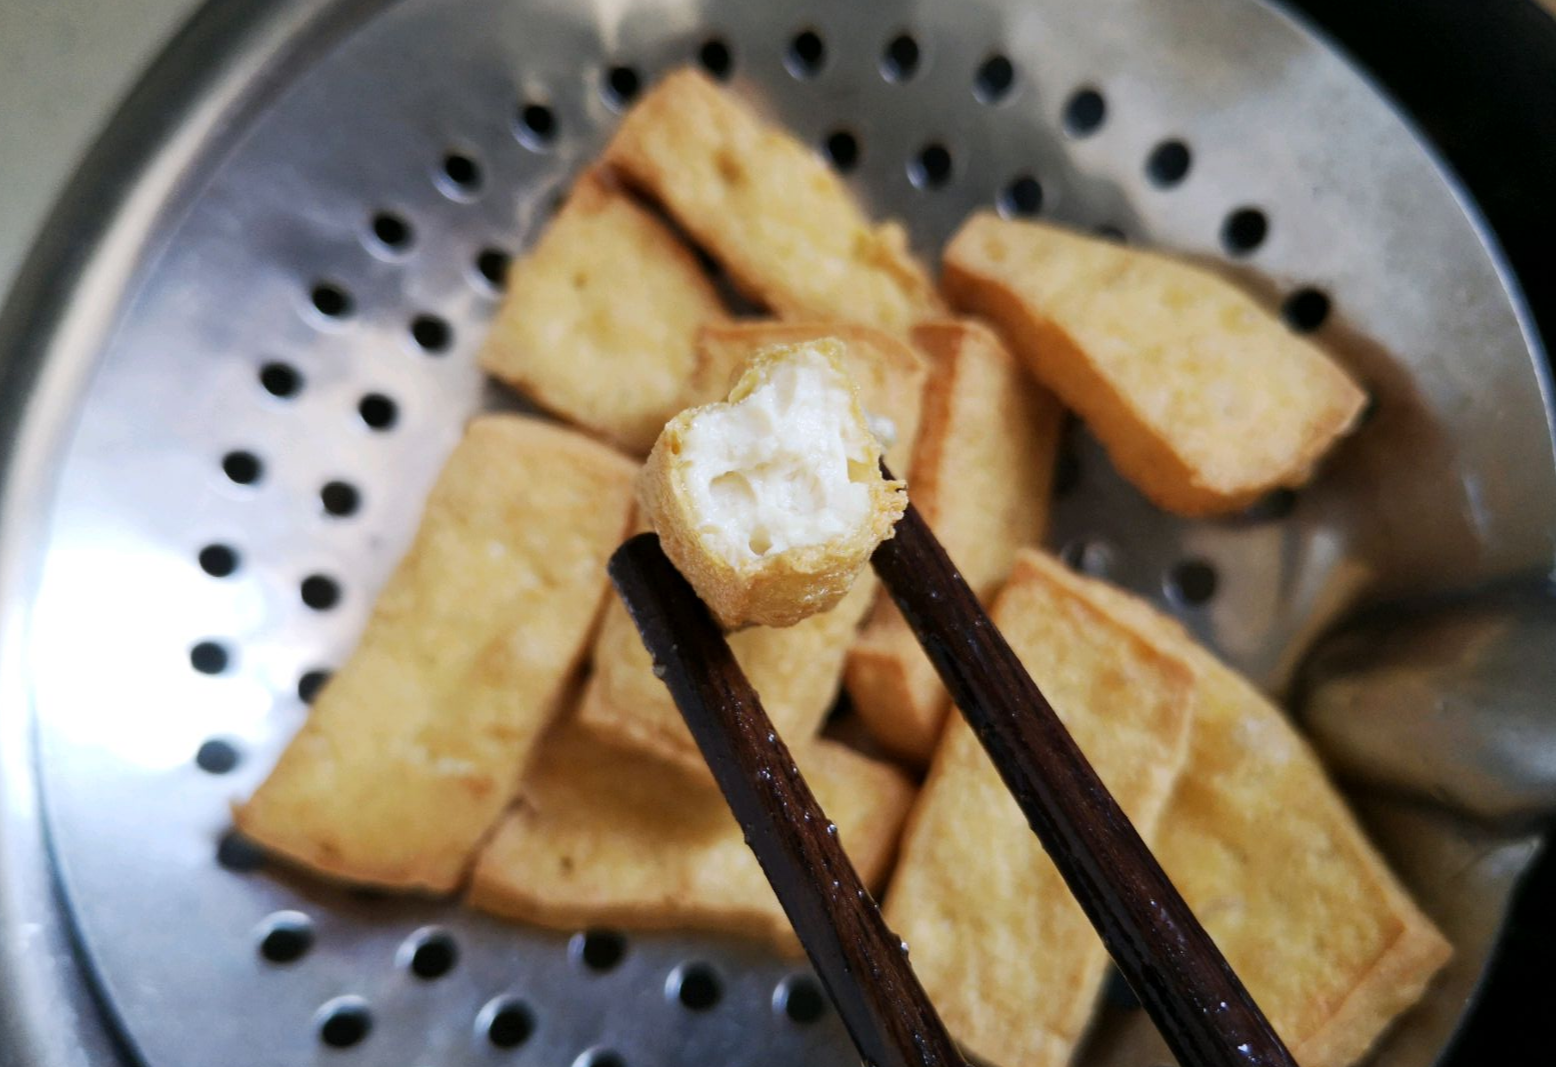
{"x": 1192, "y": 582}
{"x": 537, "y": 126}
{"x": 217, "y": 756}
{"x": 340, "y": 499}
{"x": 310, "y": 683}
{"x": 599, "y": 950}
{"x": 899, "y": 61}
{"x": 285, "y": 937}
{"x": 391, "y": 231}
{"x": 994, "y": 80}
{"x": 801, "y": 999}
{"x": 806, "y": 55}
{"x": 331, "y": 300}
{"x": 620, "y": 86}
{"x": 344, "y": 1022}
{"x": 234, "y": 852}
{"x": 1085, "y": 112}
{"x": 492, "y": 265}
{"x": 1168, "y": 164}
{"x": 716, "y": 58}
{"x": 432, "y": 333}
{"x": 599, "y": 1057}
{"x": 1244, "y": 231}
{"x": 1109, "y": 232}
{"x": 506, "y": 1022}
{"x": 696, "y": 985}
{"x": 1088, "y": 556}
{"x": 931, "y": 168}
{"x": 1022, "y": 198}
{"x": 320, "y": 592}
{"x": 280, "y": 380}
{"x": 242, "y": 467}
{"x": 842, "y": 150}
{"x": 218, "y": 560}
{"x": 378, "y": 411}
{"x": 460, "y": 176}
{"x": 209, "y": 657}
{"x": 1306, "y": 309}
{"x": 429, "y": 953}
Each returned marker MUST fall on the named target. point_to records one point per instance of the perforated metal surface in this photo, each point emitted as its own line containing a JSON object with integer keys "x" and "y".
{"x": 190, "y": 526}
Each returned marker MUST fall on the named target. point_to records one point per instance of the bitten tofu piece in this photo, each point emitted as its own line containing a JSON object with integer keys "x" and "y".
{"x": 768, "y": 208}
{"x": 982, "y": 476}
{"x": 604, "y": 837}
{"x": 1275, "y": 866}
{"x": 415, "y": 746}
{"x": 1202, "y": 398}
{"x": 795, "y": 669}
{"x": 889, "y": 372}
{"x": 1002, "y": 948}
{"x": 771, "y": 502}
{"x": 600, "y": 319}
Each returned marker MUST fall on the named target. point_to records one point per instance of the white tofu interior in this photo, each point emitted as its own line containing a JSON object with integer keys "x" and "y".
{"x": 786, "y": 466}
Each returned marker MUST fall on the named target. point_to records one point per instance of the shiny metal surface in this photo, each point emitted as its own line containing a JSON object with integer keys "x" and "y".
{"x": 148, "y": 327}
{"x": 1452, "y": 703}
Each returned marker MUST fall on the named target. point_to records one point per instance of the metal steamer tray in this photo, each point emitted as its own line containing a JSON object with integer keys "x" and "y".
{"x": 245, "y": 343}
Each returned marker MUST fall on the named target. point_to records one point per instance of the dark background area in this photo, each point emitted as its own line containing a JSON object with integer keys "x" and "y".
{"x": 1478, "y": 78}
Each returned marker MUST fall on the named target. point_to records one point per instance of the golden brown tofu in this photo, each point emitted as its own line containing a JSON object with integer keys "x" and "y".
{"x": 601, "y": 317}
{"x": 1203, "y": 399}
{"x": 1003, "y": 950}
{"x": 1275, "y": 866}
{"x": 768, "y": 208}
{"x": 415, "y": 746}
{"x": 603, "y": 836}
{"x": 771, "y": 502}
{"x": 982, "y": 475}
{"x": 890, "y": 374}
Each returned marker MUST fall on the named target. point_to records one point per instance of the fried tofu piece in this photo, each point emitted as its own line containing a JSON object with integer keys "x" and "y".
{"x": 1002, "y": 948}
{"x": 768, "y": 208}
{"x": 1276, "y": 868}
{"x": 982, "y": 476}
{"x": 603, "y": 836}
{"x": 1203, "y": 399}
{"x": 890, "y": 373}
{"x": 794, "y": 669}
{"x": 600, "y": 319}
{"x": 415, "y": 746}
{"x": 770, "y": 503}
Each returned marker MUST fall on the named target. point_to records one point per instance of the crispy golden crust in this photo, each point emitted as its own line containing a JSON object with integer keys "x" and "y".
{"x": 1267, "y": 854}
{"x": 890, "y": 374}
{"x": 795, "y": 670}
{"x": 768, "y": 208}
{"x": 778, "y": 588}
{"x": 414, "y": 747}
{"x": 600, "y": 318}
{"x": 982, "y": 472}
{"x": 1002, "y": 948}
{"x": 1203, "y": 399}
{"x": 603, "y": 836}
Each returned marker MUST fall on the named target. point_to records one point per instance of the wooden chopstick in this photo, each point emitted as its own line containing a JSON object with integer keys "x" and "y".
{"x": 862, "y": 964}
{"x": 1174, "y": 968}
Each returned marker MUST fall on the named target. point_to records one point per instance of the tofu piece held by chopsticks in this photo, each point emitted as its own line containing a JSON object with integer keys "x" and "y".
{"x": 982, "y": 474}
{"x": 767, "y": 207}
{"x": 600, "y": 319}
{"x": 1002, "y": 948}
{"x": 771, "y": 502}
{"x": 1275, "y": 866}
{"x": 1203, "y": 399}
{"x": 603, "y": 836}
{"x": 415, "y": 746}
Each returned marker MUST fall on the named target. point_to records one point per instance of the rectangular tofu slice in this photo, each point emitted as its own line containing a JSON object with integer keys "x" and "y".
{"x": 1203, "y": 399}
{"x": 1004, "y": 951}
{"x": 796, "y": 670}
{"x": 890, "y": 374}
{"x": 1275, "y": 866}
{"x": 600, "y": 318}
{"x": 982, "y": 476}
{"x": 415, "y": 746}
{"x": 767, "y": 207}
{"x": 603, "y": 836}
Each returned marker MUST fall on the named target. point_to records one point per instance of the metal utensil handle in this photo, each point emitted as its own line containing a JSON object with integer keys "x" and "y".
{"x": 1174, "y": 968}
{"x": 859, "y": 960}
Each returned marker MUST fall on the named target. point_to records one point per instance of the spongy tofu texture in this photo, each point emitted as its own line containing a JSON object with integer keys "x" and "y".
{"x": 603, "y": 836}
{"x": 600, "y": 318}
{"x": 415, "y": 745}
{"x": 768, "y": 208}
{"x": 1002, "y": 948}
{"x": 1202, "y": 397}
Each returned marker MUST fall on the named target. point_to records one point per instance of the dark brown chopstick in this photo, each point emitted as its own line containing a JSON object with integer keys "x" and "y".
{"x": 862, "y": 964}
{"x": 1197, "y": 1002}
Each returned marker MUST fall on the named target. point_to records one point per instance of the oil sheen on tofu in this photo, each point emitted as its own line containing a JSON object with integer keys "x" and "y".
{"x": 772, "y": 501}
